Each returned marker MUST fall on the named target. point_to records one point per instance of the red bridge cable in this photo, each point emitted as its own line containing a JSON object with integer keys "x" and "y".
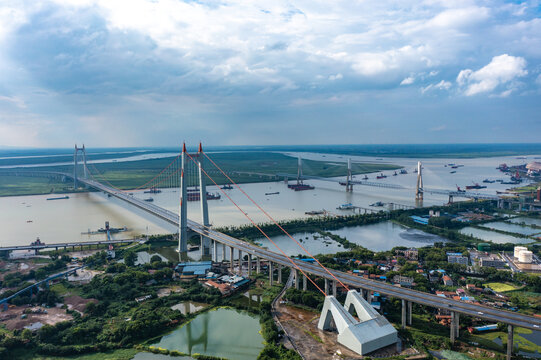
{"x": 275, "y": 222}
{"x": 253, "y": 223}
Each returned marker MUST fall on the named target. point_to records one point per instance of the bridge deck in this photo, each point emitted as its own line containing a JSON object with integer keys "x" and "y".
{"x": 415, "y": 296}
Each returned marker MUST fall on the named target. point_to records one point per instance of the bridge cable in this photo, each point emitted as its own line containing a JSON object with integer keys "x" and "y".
{"x": 259, "y": 228}
{"x": 275, "y": 222}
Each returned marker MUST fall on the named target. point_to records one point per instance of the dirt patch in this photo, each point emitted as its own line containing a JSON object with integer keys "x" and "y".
{"x": 13, "y": 317}
{"x": 83, "y": 276}
{"x": 18, "y": 266}
{"x": 163, "y": 292}
{"x": 83, "y": 254}
{"x": 77, "y": 303}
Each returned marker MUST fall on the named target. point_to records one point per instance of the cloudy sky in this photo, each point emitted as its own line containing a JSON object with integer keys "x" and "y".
{"x": 157, "y": 72}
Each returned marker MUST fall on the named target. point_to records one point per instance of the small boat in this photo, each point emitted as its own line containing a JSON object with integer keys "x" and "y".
{"x": 272, "y": 193}
{"x": 29, "y": 221}
{"x": 148, "y": 199}
{"x": 403, "y": 171}
{"x": 475, "y": 186}
{"x": 452, "y": 172}
{"x": 381, "y": 176}
{"x": 153, "y": 190}
{"x": 365, "y": 177}
{"x": 59, "y": 198}
{"x": 315, "y": 212}
{"x": 378, "y": 203}
{"x": 395, "y": 173}
{"x": 227, "y": 187}
{"x": 487, "y": 181}
{"x": 347, "y": 206}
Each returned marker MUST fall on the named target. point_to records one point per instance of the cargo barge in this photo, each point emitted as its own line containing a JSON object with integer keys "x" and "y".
{"x": 301, "y": 187}
{"x": 59, "y": 198}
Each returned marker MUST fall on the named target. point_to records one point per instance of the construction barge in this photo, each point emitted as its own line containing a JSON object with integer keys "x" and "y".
{"x": 300, "y": 187}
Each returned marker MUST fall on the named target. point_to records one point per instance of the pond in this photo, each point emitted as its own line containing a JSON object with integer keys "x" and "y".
{"x": 143, "y": 257}
{"x": 514, "y": 228}
{"x": 385, "y": 235}
{"x": 189, "y": 307}
{"x": 223, "y": 332}
{"x": 151, "y": 356}
{"x": 493, "y": 236}
{"x": 313, "y": 242}
{"x": 376, "y": 237}
{"x": 526, "y": 221}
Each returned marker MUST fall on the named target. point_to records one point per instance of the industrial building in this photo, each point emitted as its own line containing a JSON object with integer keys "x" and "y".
{"x": 193, "y": 270}
{"x": 523, "y": 255}
{"x": 457, "y": 259}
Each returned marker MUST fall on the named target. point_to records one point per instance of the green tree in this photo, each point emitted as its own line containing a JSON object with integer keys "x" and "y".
{"x": 130, "y": 258}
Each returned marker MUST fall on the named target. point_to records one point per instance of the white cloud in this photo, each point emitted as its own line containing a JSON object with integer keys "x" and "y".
{"x": 408, "y": 81}
{"x": 18, "y": 102}
{"x": 442, "y": 85}
{"x": 502, "y": 70}
{"x": 338, "y": 76}
{"x": 439, "y": 128}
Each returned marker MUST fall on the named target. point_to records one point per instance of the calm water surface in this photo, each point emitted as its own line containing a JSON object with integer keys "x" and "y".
{"x": 504, "y": 226}
{"x": 493, "y": 236}
{"x": 224, "y": 332}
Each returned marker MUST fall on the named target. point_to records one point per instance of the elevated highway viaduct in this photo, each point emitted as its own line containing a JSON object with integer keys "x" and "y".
{"x": 408, "y": 296}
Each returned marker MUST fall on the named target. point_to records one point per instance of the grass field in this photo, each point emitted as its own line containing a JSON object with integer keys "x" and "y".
{"x": 22, "y": 185}
{"x": 518, "y": 341}
{"x": 121, "y": 354}
{"x": 500, "y": 287}
{"x": 243, "y": 167}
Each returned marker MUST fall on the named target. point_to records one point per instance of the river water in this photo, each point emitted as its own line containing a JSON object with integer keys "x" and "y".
{"x": 26, "y": 217}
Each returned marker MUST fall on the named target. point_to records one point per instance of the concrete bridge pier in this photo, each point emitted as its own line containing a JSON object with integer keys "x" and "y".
{"x": 326, "y": 287}
{"x": 296, "y": 278}
{"x": 271, "y": 273}
{"x": 240, "y": 262}
{"x": 214, "y": 250}
{"x": 509, "y": 342}
{"x": 453, "y": 324}
{"x": 304, "y": 283}
{"x": 231, "y": 258}
{"x": 404, "y": 310}
{"x": 223, "y": 252}
{"x": 249, "y": 264}
{"x": 334, "y": 288}
{"x": 457, "y": 325}
{"x": 279, "y": 274}
{"x": 409, "y": 312}
{"x": 258, "y": 265}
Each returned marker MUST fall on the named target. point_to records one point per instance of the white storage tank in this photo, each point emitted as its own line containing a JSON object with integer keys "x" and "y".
{"x": 525, "y": 256}
{"x": 518, "y": 249}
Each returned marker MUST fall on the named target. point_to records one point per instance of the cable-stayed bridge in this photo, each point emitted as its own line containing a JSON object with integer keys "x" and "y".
{"x": 176, "y": 173}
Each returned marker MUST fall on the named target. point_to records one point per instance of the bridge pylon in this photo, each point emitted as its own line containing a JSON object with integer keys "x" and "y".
{"x": 349, "y": 179}
{"x": 299, "y": 171}
{"x": 183, "y": 205}
{"x": 82, "y": 150}
{"x": 419, "y": 186}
